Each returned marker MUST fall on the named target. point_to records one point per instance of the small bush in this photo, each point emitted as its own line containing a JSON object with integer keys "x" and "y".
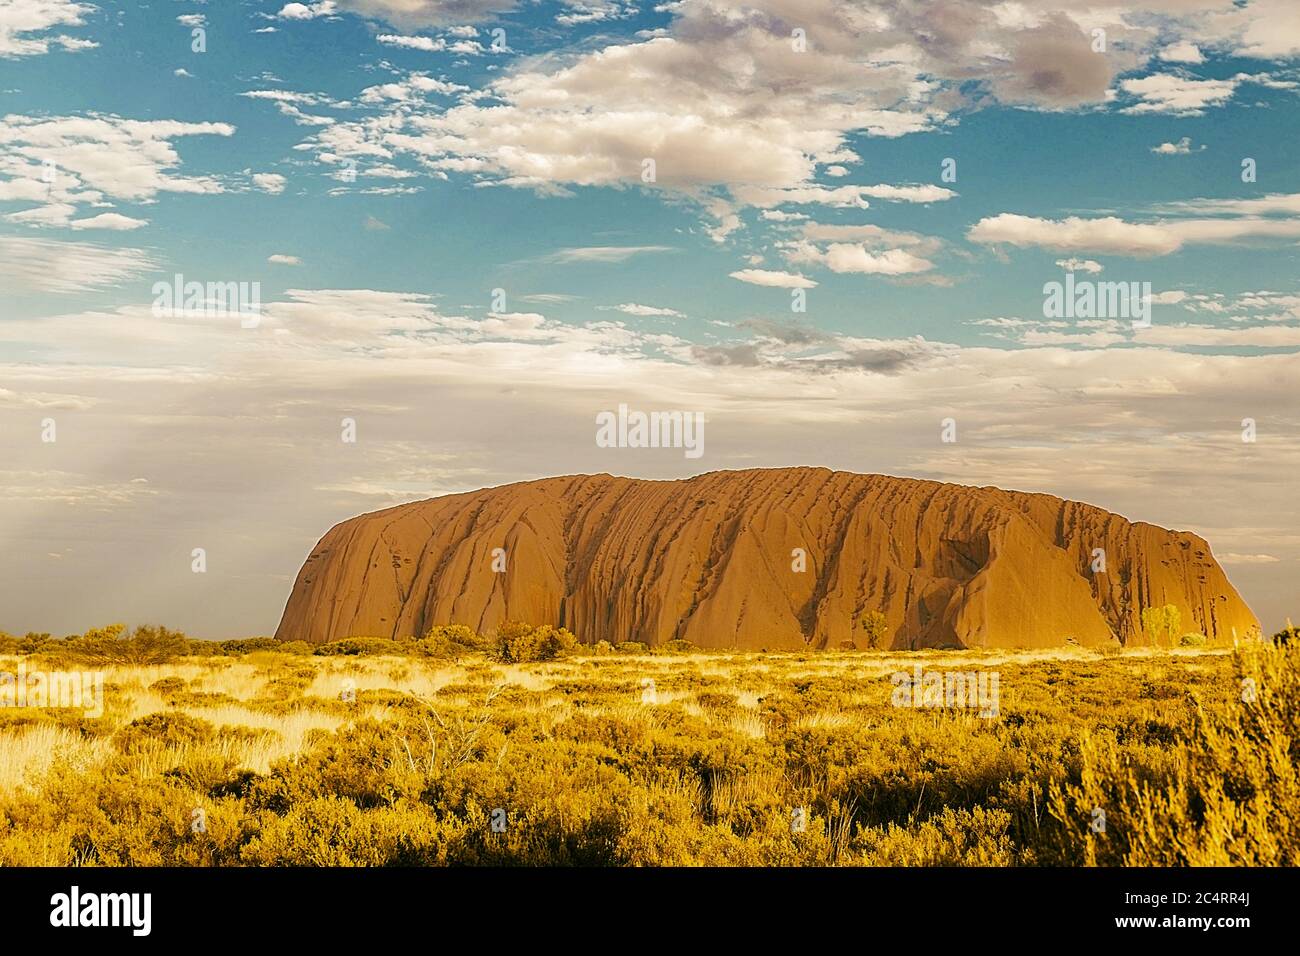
{"x": 1192, "y": 640}
{"x": 631, "y": 647}
{"x": 518, "y": 643}
{"x": 246, "y": 645}
{"x": 147, "y": 644}
{"x": 162, "y": 730}
{"x": 677, "y": 647}
{"x": 360, "y": 647}
{"x": 448, "y": 642}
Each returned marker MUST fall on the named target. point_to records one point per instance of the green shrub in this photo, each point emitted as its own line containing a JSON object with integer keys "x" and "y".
{"x": 1192, "y": 640}
{"x": 147, "y": 644}
{"x": 246, "y": 645}
{"x": 518, "y": 643}
{"x": 448, "y": 642}
{"x": 677, "y": 647}
{"x": 631, "y": 647}
{"x": 360, "y": 647}
{"x": 162, "y": 730}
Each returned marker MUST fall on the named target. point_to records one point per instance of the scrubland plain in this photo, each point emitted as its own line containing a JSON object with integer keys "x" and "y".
{"x": 1134, "y": 757}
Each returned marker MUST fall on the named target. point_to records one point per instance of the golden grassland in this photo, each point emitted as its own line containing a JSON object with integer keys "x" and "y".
{"x": 733, "y": 759}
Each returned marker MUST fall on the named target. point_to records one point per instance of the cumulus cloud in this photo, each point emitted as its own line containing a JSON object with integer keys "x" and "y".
{"x": 1181, "y": 148}
{"x": 25, "y": 25}
{"x": 306, "y": 11}
{"x": 272, "y": 183}
{"x": 741, "y": 116}
{"x": 866, "y": 249}
{"x": 1177, "y": 94}
{"x": 1182, "y": 52}
{"x": 853, "y": 257}
{"x": 62, "y": 162}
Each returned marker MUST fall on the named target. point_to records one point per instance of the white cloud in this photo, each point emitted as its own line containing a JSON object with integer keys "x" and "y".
{"x": 90, "y": 159}
{"x": 919, "y": 194}
{"x": 1181, "y": 148}
{"x": 1182, "y": 52}
{"x": 426, "y": 44}
{"x": 280, "y": 259}
{"x": 866, "y": 249}
{"x": 1269, "y": 29}
{"x": 602, "y": 253}
{"x": 1110, "y": 235}
{"x": 21, "y": 19}
{"x": 1271, "y": 204}
{"x": 415, "y": 14}
{"x": 290, "y": 104}
{"x": 1232, "y": 557}
{"x": 1177, "y": 94}
{"x": 413, "y": 89}
{"x": 272, "y": 183}
{"x": 306, "y": 11}
{"x": 741, "y": 118}
{"x": 1270, "y": 336}
{"x": 1079, "y": 265}
{"x": 854, "y": 257}
{"x": 735, "y": 107}
{"x": 108, "y": 220}
{"x": 768, "y": 277}
{"x": 632, "y": 308}
{"x": 47, "y": 265}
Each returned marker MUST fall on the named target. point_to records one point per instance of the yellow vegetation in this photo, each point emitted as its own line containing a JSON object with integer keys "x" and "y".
{"x": 1137, "y": 758}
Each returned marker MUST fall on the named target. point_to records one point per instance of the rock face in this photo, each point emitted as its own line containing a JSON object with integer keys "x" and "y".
{"x": 713, "y": 560}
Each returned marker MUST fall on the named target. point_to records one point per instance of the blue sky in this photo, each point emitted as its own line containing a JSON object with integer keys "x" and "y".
{"x": 796, "y": 146}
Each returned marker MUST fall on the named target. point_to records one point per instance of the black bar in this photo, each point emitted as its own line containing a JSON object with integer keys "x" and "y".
{"x": 365, "y": 906}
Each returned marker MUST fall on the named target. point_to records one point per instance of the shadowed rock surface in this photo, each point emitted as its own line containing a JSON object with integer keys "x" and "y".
{"x": 709, "y": 560}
